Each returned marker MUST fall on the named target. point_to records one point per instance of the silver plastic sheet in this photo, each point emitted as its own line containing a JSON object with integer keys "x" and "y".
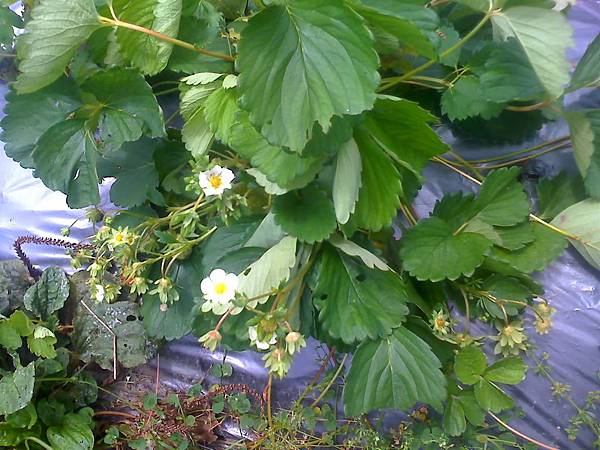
{"x": 572, "y": 286}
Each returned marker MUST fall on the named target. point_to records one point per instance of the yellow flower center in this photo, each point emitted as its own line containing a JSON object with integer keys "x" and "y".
{"x": 220, "y": 288}
{"x": 120, "y": 237}
{"x": 440, "y": 322}
{"x": 215, "y": 181}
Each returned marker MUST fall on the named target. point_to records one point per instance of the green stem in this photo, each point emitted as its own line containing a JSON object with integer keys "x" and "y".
{"x": 106, "y": 21}
{"x": 521, "y": 151}
{"x": 396, "y": 80}
{"x": 335, "y": 375}
{"x": 467, "y": 164}
{"x": 467, "y": 311}
{"x": 167, "y": 91}
{"x": 38, "y": 442}
{"x": 512, "y": 162}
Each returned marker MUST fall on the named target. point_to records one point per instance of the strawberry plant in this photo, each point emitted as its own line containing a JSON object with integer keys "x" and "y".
{"x": 265, "y": 207}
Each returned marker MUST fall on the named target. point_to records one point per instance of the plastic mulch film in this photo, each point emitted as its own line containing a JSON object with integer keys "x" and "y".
{"x": 571, "y": 285}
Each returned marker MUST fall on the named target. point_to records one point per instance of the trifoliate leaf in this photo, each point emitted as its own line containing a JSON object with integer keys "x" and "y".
{"x": 491, "y": 398}
{"x": 585, "y": 135}
{"x": 536, "y": 255}
{"x": 123, "y": 107}
{"x": 352, "y": 249}
{"x": 62, "y": 146}
{"x": 16, "y": 389}
{"x": 9, "y": 337}
{"x": 56, "y": 29}
{"x": 135, "y": 171}
{"x": 65, "y": 160}
{"x": 432, "y": 251}
{"x": 49, "y": 294}
{"x": 393, "y": 372}
{"x": 544, "y": 35}
{"x": 355, "y": 302}
{"x": 268, "y": 272}
{"x": 509, "y": 75}
{"x": 347, "y": 181}
{"x": 558, "y": 193}
{"x": 302, "y": 89}
{"x": 582, "y": 219}
{"x": 470, "y": 364}
{"x": 464, "y": 99}
{"x": 142, "y": 50}
{"x": 287, "y": 170}
{"x": 28, "y": 116}
{"x": 307, "y": 214}
{"x": 587, "y": 72}
{"x": 454, "y": 417}
{"x": 398, "y": 19}
{"x": 509, "y": 370}
{"x": 501, "y": 200}
{"x": 379, "y": 195}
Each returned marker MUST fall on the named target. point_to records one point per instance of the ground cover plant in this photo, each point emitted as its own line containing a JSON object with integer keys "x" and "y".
{"x": 273, "y": 201}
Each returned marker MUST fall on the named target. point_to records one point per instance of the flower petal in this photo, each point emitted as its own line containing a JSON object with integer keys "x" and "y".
{"x": 207, "y": 286}
{"x": 217, "y": 275}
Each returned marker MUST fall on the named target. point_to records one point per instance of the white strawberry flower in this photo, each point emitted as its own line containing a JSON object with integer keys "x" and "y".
{"x": 219, "y": 290}
{"x": 261, "y": 345}
{"x": 216, "y": 180}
